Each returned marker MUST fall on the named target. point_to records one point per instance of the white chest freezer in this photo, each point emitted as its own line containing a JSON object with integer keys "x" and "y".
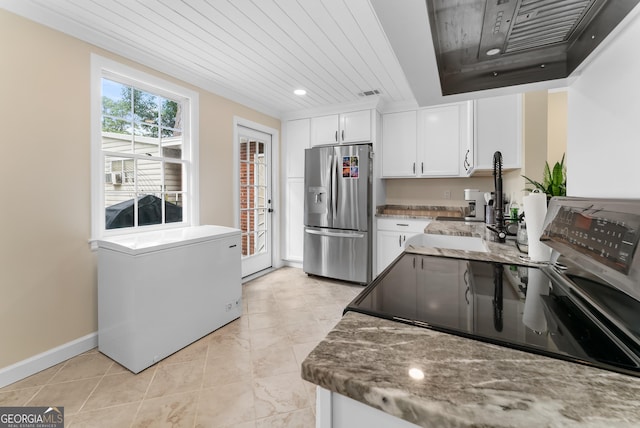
{"x": 160, "y": 291}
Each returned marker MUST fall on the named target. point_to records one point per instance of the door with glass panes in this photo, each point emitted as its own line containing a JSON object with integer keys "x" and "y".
{"x": 255, "y": 199}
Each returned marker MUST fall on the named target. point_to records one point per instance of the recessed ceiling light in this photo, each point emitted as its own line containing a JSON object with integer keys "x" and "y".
{"x": 300, "y": 92}
{"x": 493, "y": 51}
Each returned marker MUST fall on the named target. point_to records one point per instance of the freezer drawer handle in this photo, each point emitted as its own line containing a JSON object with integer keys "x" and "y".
{"x": 337, "y": 234}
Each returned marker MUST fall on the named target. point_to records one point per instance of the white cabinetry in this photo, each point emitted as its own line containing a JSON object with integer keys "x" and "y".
{"x": 498, "y": 127}
{"x": 399, "y": 141}
{"x": 430, "y": 142}
{"x": 297, "y": 140}
{"x": 334, "y": 410}
{"x": 297, "y": 135}
{"x": 351, "y": 127}
{"x": 392, "y": 236}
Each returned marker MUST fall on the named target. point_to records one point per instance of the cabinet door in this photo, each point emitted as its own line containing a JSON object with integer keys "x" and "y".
{"x": 498, "y": 123}
{"x": 324, "y": 130}
{"x": 439, "y": 141}
{"x": 294, "y": 222}
{"x": 355, "y": 127}
{"x": 298, "y": 138}
{"x": 466, "y": 139}
{"x": 399, "y": 136}
{"x": 390, "y": 245}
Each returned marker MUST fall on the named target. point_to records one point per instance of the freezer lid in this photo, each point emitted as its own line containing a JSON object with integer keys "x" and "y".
{"x": 147, "y": 242}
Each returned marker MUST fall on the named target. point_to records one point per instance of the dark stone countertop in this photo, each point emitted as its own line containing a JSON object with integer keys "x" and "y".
{"x": 467, "y": 383}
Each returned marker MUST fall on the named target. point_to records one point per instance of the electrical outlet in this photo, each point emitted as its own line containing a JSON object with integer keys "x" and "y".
{"x": 447, "y": 194}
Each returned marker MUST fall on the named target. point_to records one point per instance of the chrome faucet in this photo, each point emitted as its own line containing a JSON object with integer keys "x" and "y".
{"x": 499, "y": 227}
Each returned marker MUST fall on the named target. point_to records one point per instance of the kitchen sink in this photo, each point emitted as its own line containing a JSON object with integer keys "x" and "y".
{"x": 450, "y": 242}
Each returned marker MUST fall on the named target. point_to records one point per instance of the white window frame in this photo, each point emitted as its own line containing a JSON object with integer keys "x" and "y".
{"x": 104, "y": 67}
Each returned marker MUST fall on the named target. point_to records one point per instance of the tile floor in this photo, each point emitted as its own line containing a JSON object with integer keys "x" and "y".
{"x": 244, "y": 375}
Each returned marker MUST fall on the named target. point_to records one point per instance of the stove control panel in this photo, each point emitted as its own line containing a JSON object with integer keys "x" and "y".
{"x": 605, "y": 236}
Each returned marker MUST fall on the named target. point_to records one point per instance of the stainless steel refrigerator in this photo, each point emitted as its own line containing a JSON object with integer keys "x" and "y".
{"x": 337, "y": 212}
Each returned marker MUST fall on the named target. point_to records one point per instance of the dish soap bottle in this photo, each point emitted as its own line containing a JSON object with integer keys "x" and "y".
{"x": 513, "y": 209}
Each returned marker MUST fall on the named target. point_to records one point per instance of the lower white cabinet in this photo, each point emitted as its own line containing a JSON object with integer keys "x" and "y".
{"x": 334, "y": 410}
{"x": 294, "y": 221}
{"x": 392, "y": 234}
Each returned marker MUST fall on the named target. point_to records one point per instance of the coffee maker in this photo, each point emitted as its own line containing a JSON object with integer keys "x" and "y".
{"x": 475, "y": 198}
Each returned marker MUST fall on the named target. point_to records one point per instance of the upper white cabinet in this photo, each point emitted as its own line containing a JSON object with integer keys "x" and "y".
{"x": 351, "y": 127}
{"x": 498, "y": 127}
{"x": 430, "y": 142}
{"x": 297, "y": 135}
{"x": 399, "y": 141}
{"x": 297, "y": 140}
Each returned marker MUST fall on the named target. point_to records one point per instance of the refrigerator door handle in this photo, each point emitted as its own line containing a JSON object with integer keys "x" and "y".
{"x": 335, "y": 234}
{"x": 334, "y": 187}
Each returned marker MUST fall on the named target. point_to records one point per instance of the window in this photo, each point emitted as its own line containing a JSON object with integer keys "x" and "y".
{"x": 143, "y": 152}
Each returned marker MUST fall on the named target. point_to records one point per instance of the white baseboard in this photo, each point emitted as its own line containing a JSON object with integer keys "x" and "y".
{"x": 50, "y": 358}
{"x": 292, "y": 263}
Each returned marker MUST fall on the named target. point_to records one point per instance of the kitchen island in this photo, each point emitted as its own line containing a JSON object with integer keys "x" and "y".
{"x": 467, "y": 383}
{"x": 380, "y": 373}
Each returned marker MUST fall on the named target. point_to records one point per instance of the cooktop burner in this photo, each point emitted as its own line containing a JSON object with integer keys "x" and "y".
{"x": 541, "y": 310}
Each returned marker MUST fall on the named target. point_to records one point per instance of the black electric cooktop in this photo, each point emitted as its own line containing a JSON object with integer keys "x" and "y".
{"x": 562, "y": 314}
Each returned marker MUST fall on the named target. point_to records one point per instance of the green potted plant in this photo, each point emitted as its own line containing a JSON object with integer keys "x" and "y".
{"x": 554, "y": 181}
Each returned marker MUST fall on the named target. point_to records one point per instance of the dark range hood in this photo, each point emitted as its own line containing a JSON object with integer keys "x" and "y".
{"x": 486, "y": 44}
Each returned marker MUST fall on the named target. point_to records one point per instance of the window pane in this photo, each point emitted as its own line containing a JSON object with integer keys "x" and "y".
{"x": 171, "y": 144}
{"x": 145, "y": 107}
{"x": 149, "y": 209}
{"x": 119, "y": 209}
{"x": 171, "y": 114}
{"x": 173, "y": 204}
{"x": 146, "y": 139}
{"x": 149, "y": 176}
{"x": 116, "y": 100}
{"x": 118, "y": 192}
{"x": 173, "y": 174}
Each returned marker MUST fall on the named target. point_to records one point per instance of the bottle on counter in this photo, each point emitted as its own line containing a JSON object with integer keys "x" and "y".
{"x": 513, "y": 209}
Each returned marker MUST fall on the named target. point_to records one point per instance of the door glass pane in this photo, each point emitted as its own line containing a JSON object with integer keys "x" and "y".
{"x": 253, "y": 196}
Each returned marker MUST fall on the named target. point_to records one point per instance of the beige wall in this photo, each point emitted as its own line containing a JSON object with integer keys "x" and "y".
{"x": 48, "y": 272}
{"x": 557, "y": 123}
{"x": 430, "y": 191}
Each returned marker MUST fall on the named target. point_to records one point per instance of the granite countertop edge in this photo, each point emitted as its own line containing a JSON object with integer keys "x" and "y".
{"x": 467, "y": 383}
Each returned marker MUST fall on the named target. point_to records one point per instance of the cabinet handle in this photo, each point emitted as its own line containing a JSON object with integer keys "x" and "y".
{"x": 414, "y": 262}
{"x": 404, "y": 238}
{"x": 466, "y": 161}
{"x": 402, "y": 224}
{"x": 336, "y": 135}
{"x": 421, "y": 167}
{"x": 399, "y": 240}
{"x": 343, "y": 135}
{"x": 414, "y": 167}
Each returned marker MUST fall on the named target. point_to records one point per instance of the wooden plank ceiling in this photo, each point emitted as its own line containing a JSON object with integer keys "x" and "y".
{"x": 252, "y": 51}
